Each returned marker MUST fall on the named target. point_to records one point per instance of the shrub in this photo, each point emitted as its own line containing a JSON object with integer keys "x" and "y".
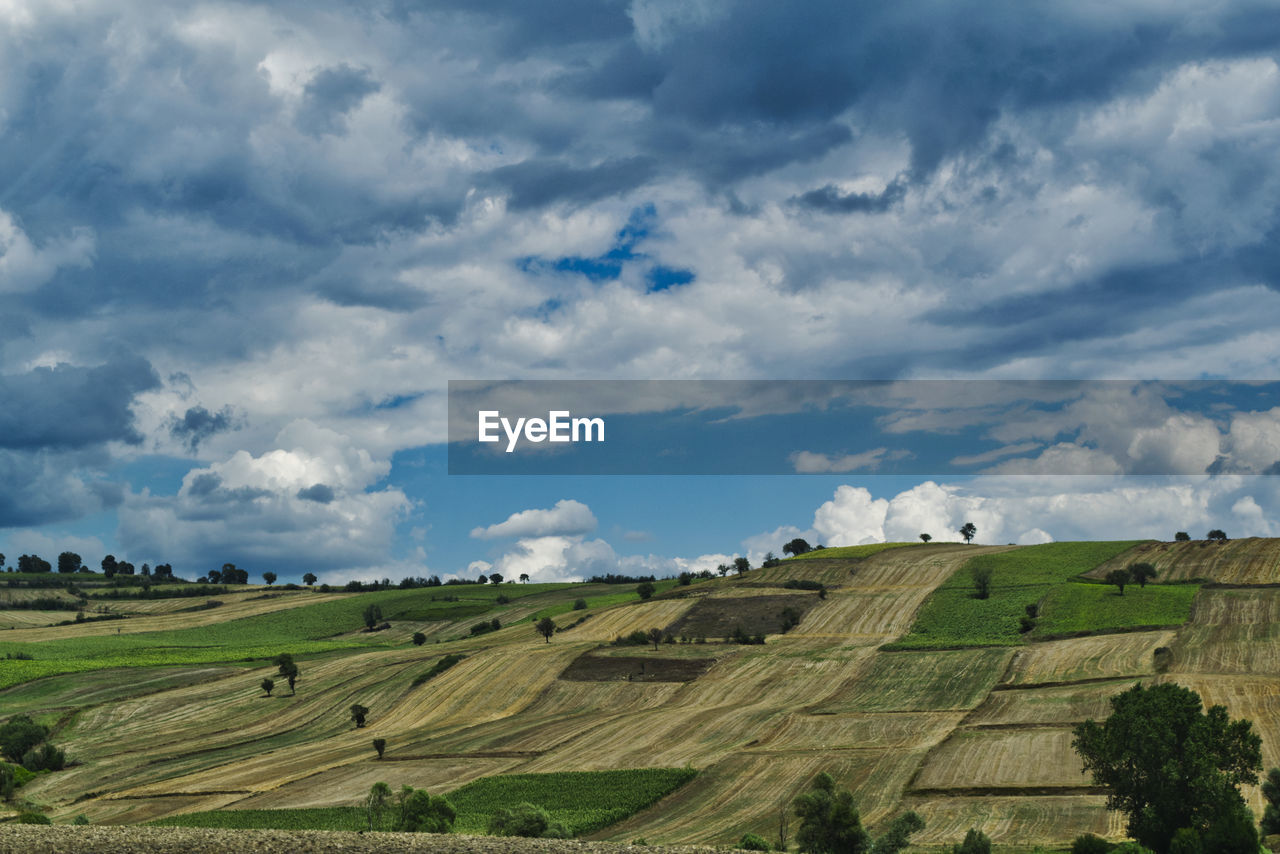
{"x": 33, "y": 818}
{"x": 439, "y": 667}
{"x": 579, "y": 604}
{"x": 422, "y": 812}
{"x": 526, "y": 820}
{"x": 975, "y": 842}
{"x": 753, "y": 842}
{"x": 18, "y": 735}
{"x": 1087, "y": 843}
{"x": 982, "y": 581}
{"x": 46, "y": 758}
{"x": 419, "y": 638}
{"x": 645, "y": 590}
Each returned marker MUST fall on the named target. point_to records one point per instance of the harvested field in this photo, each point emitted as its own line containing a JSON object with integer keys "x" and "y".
{"x": 622, "y": 621}
{"x": 1253, "y": 560}
{"x": 1065, "y": 704}
{"x": 799, "y": 732}
{"x": 613, "y": 668}
{"x": 1097, "y": 657}
{"x": 869, "y": 616}
{"x": 1040, "y": 757}
{"x": 1231, "y": 631}
{"x": 25, "y": 619}
{"x": 1050, "y": 820}
{"x": 756, "y": 614}
{"x": 947, "y": 680}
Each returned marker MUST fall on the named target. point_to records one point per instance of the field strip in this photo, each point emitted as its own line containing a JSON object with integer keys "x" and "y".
{"x": 1024, "y": 819}
{"x": 622, "y": 621}
{"x": 1095, "y": 657}
{"x": 1021, "y": 758}
{"x": 1064, "y": 704}
{"x": 1252, "y": 560}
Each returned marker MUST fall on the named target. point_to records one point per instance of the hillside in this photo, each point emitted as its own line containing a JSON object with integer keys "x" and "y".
{"x": 896, "y": 680}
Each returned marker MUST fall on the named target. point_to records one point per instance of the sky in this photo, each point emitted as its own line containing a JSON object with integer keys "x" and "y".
{"x": 244, "y": 248}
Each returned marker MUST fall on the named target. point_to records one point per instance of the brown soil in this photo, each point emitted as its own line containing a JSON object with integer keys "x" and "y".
{"x": 717, "y": 617}
{"x": 63, "y": 839}
{"x": 594, "y": 668}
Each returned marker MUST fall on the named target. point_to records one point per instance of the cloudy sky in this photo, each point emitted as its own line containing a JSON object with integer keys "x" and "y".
{"x": 244, "y": 247}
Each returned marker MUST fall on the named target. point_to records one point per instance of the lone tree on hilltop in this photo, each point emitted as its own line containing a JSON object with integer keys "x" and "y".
{"x": 524, "y": 578}
{"x": 1142, "y": 573}
{"x": 309, "y": 579}
{"x": 982, "y": 581}
{"x": 1168, "y": 766}
{"x": 269, "y": 577}
{"x": 645, "y": 589}
{"x": 1182, "y": 537}
{"x": 358, "y": 714}
{"x": 1217, "y": 534}
{"x": 495, "y": 578}
{"x": 968, "y": 530}
{"x": 741, "y": 565}
{"x": 723, "y": 569}
{"x": 798, "y": 546}
{"x": 546, "y": 627}
{"x": 268, "y": 684}
{"x": 924, "y": 538}
{"x": 1119, "y": 577}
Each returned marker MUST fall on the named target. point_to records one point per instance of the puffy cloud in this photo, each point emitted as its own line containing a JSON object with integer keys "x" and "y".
{"x": 566, "y": 519}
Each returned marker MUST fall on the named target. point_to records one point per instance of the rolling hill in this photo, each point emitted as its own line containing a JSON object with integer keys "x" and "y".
{"x": 896, "y": 680}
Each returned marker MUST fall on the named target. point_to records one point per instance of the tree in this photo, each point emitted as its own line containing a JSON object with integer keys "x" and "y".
{"x": 524, "y": 578}
{"x": 924, "y": 538}
{"x": 723, "y": 569}
{"x": 829, "y": 821}
{"x": 798, "y": 546}
{"x": 968, "y": 530}
{"x": 1217, "y": 534}
{"x": 309, "y": 579}
{"x": 975, "y": 842}
{"x": 109, "y": 566}
{"x": 33, "y": 563}
{"x": 372, "y": 616}
{"x": 1119, "y": 577}
{"x": 655, "y": 637}
{"x": 1169, "y": 765}
{"x": 269, "y": 577}
{"x": 741, "y": 565}
{"x": 495, "y": 578}
{"x": 285, "y": 667}
{"x": 483, "y": 579}
{"x": 898, "y": 836}
{"x": 526, "y": 820}
{"x": 421, "y": 812}
{"x": 268, "y": 684}
{"x": 645, "y": 589}
{"x": 376, "y": 802}
{"x": 19, "y": 735}
{"x": 358, "y": 714}
{"x": 419, "y": 638}
{"x": 546, "y": 627}
{"x": 1271, "y": 792}
{"x": 69, "y": 562}
{"x": 380, "y": 745}
{"x": 982, "y": 574}
{"x": 1182, "y": 537}
{"x": 1142, "y": 573}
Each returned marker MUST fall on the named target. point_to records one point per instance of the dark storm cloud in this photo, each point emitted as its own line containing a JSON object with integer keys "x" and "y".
{"x": 330, "y": 95}
{"x": 321, "y": 493}
{"x": 535, "y": 184}
{"x": 69, "y": 407}
{"x": 831, "y": 200}
{"x": 197, "y": 424}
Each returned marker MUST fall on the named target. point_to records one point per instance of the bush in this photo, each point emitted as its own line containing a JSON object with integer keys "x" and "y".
{"x": 753, "y": 842}
{"x": 422, "y": 812}
{"x": 645, "y": 590}
{"x": 803, "y": 584}
{"x": 46, "y": 758}
{"x": 526, "y": 820}
{"x": 579, "y": 604}
{"x": 19, "y": 735}
{"x": 33, "y": 818}
{"x": 439, "y": 667}
{"x": 1185, "y": 841}
{"x": 1087, "y": 843}
{"x": 975, "y": 842}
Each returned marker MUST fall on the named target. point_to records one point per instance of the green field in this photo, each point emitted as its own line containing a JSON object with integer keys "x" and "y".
{"x": 954, "y": 617}
{"x": 583, "y": 801}
{"x": 847, "y": 552}
{"x": 1073, "y": 608}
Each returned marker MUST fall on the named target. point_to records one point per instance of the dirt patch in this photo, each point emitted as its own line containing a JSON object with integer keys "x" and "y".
{"x": 36, "y": 839}
{"x": 615, "y": 668}
{"x": 717, "y": 617}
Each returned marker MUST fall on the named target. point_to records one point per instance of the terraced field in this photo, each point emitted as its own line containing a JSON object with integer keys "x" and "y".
{"x": 166, "y": 718}
{"x": 1253, "y": 560}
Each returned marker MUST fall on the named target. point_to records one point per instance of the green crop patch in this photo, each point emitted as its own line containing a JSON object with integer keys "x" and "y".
{"x": 855, "y": 552}
{"x": 583, "y": 801}
{"x": 1072, "y": 608}
{"x": 953, "y": 616}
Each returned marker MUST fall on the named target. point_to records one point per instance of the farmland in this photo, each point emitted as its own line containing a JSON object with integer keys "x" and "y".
{"x": 909, "y": 690}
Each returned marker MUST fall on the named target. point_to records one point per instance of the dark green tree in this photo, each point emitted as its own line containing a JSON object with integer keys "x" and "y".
{"x": 1182, "y": 537}
{"x": 975, "y": 842}
{"x": 421, "y": 812}
{"x": 798, "y": 546}
{"x": 1168, "y": 764}
{"x": 109, "y": 566}
{"x": 982, "y": 574}
{"x": 375, "y": 803}
{"x": 69, "y": 562}
{"x": 495, "y": 578}
{"x": 1271, "y": 814}
{"x": 898, "y": 836}
{"x": 655, "y": 637}
{"x": 968, "y": 530}
{"x": 372, "y": 615}
{"x": 18, "y": 735}
{"x": 358, "y": 714}
{"x": 546, "y": 627}
{"x": 924, "y": 538}
{"x": 1119, "y": 577}
{"x": 1217, "y": 534}
{"x": 269, "y": 577}
{"x": 1142, "y": 573}
{"x": 309, "y": 579}
{"x": 645, "y": 589}
{"x": 268, "y": 685}
{"x": 380, "y": 745}
{"x": 829, "y": 821}
{"x": 286, "y": 667}
{"x": 741, "y": 565}
{"x": 419, "y": 638}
